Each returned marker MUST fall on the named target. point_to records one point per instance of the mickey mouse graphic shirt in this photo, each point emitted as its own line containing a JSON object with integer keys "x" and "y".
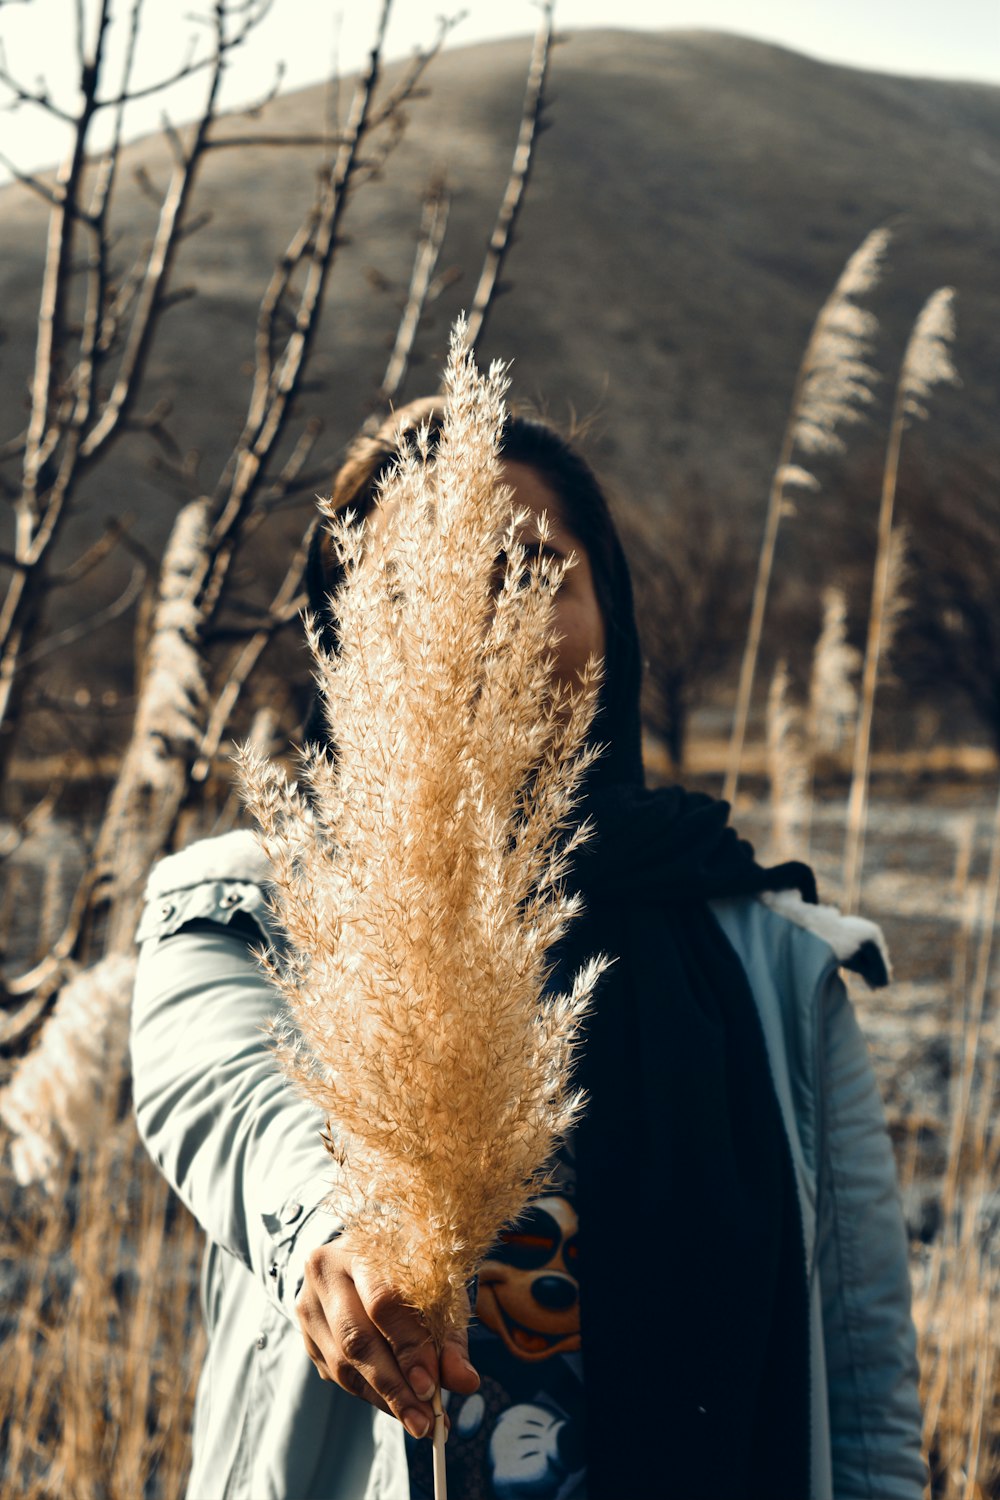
{"x": 520, "y": 1437}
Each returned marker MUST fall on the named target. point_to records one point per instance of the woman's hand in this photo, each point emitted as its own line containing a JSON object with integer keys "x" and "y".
{"x": 361, "y": 1335}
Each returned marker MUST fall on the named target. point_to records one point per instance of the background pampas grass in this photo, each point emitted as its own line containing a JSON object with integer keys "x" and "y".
{"x": 833, "y": 387}
{"x": 52, "y": 1102}
{"x": 926, "y": 364}
{"x": 418, "y": 875}
{"x": 833, "y": 696}
{"x": 789, "y": 768}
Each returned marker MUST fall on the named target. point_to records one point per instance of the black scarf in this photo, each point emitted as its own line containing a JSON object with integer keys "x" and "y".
{"x": 694, "y": 1302}
{"x": 693, "y": 1289}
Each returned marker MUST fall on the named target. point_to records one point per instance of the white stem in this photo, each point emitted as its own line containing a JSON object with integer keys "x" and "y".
{"x": 440, "y": 1477}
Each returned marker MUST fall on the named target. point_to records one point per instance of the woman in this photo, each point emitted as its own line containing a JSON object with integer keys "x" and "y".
{"x": 738, "y": 1327}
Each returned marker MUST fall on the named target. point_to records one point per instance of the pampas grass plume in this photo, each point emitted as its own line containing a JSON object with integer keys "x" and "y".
{"x": 418, "y": 869}
{"x": 836, "y": 379}
{"x": 173, "y": 697}
{"x": 928, "y": 361}
{"x": 833, "y": 386}
{"x": 788, "y": 765}
{"x": 51, "y": 1104}
{"x": 833, "y": 694}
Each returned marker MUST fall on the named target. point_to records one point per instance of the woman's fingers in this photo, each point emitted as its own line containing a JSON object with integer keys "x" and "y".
{"x": 354, "y": 1350}
{"x": 359, "y": 1388}
{"x": 403, "y": 1329}
{"x": 407, "y": 1333}
{"x": 457, "y": 1373}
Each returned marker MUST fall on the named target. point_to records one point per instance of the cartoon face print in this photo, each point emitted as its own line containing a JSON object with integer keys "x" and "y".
{"x": 529, "y": 1291}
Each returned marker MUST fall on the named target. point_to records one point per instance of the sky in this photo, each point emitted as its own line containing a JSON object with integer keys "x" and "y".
{"x": 959, "y": 39}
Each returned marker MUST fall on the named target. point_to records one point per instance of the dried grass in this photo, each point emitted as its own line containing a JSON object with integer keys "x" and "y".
{"x": 957, "y": 1289}
{"x": 101, "y": 1339}
{"x": 789, "y": 769}
{"x": 926, "y": 363}
{"x": 51, "y": 1103}
{"x": 833, "y": 696}
{"x": 420, "y": 879}
{"x": 833, "y": 388}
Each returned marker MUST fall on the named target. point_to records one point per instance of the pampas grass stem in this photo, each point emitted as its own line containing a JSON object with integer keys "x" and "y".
{"x": 833, "y": 383}
{"x": 440, "y": 1470}
{"x": 926, "y": 363}
{"x": 788, "y": 766}
{"x": 833, "y": 698}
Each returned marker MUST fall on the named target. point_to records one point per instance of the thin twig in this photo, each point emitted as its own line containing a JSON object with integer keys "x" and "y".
{"x": 925, "y": 363}
{"x": 277, "y": 384}
{"x": 510, "y": 206}
{"x": 433, "y": 225}
{"x": 221, "y": 142}
{"x": 82, "y": 628}
{"x": 285, "y": 608}
{"x": 94, "y": 555}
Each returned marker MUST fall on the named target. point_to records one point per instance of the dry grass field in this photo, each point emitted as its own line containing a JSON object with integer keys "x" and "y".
{"x": 100, "y": 1339}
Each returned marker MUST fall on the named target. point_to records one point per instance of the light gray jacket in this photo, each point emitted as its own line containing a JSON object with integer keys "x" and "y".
{"x": 245, "y": 1155}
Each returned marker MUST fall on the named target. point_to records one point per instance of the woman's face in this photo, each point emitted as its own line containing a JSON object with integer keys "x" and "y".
{"x": 578, "y": 619}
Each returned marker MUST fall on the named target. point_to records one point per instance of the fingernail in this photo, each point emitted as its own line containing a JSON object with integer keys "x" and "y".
{"x": 421, "y": 1383}
{"x": 416, "y": 1424}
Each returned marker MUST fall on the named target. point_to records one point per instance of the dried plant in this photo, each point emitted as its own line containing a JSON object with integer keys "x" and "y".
{"x": 928, "y": 359}
{"x": 51, "y": 1101}
{"x": 836, "y": 378}
{"x": 101, "y": 1340}
{"x": 788, "y": 766}
{"x": 957, "y": 1292}
{"x": 833, "y": 385}
{"x": 897, "y": 602}
{"x": 419, "y": 878}
{"x": 172, "y": 703}
{"x": 926, "y": 363}
{"x": 833, "y": 697}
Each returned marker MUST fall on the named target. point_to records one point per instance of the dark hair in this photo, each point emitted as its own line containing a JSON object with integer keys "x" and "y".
{"x": 584, "y": 511}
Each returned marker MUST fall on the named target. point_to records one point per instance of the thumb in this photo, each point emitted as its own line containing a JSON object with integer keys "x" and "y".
{"x": 457, "y": 1373}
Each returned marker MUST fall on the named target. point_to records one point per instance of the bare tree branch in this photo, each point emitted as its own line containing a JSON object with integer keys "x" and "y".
{"x": 14, "y": 448}
{"x": 503, "y": 231}
{"x": 70, "y": 424}
{"x": 220, "y": 143}
{"x": 79, "y": 34}
{"x": 150, "y": 296}
{"x": 434, "y": 223}
{"x": 52, "y": 196}
{"x": 23, "y": 95}
{"x": 290, "y": 479}
{"x": 94, "y": 555}
{"x": 409, "y": 85}
{"x": 285, "y": 608}
{"x": 253, "y": 15}
{"x": 277, "y": 382}
{"x": 51, "y": 317}
{"x": 81, "y": 629}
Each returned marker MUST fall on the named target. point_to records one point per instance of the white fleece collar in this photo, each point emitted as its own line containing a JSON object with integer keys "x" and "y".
{"x": 858, "y": 943}
{"x": 229, "y": 856}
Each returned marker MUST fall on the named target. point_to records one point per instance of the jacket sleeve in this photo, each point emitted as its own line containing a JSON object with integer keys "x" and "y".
{"x": 875, "y": 1420}
{"x": 219, "y": 1119}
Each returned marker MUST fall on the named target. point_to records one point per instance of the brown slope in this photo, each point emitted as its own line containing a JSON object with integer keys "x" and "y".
{"x": 692, "y": 204}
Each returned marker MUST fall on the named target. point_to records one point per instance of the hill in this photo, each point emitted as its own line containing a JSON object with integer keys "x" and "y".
{"x": 691, "y": 206}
